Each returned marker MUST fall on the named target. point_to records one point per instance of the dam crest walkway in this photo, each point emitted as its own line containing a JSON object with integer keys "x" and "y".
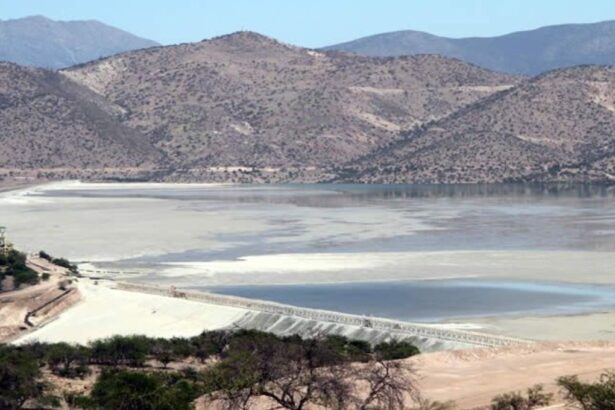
{"x": 385, "y": 325}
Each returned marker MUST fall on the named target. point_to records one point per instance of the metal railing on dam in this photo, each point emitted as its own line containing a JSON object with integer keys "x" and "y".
{"x": 388, "y": 325}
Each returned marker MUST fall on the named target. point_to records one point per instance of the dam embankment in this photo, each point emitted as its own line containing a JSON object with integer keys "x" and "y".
{"x": 286, "y": 320}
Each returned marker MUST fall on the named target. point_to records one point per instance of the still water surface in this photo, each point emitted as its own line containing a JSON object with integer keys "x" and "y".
{"x": 203, "y": 236}
{"x": 436, "y": 300}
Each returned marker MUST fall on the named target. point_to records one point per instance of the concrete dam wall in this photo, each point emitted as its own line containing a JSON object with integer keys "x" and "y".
{"x": 287, "y": 320}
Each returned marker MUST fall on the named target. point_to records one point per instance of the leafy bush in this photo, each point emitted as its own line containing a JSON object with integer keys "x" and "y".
{"x": 354, "y": 350}
{"x": 516, "y": 401}
{"x": 65, "y": 263}
{"x": 395, "y": 350}
{"x": 210, "y": 343}
{"x": 25, "y": 277}
{"x": 15, "y": 265}
{"x": 67, "y": 360}
{"x": 14, "y": 259}
{"x": 121, "y": 350}
{"x": 128, "y": 390}
{"x": 19, "y": 378}
{"x": 590, "y": 396}
{"x": 44, "y": 255}
{"x": 250, "y": 364}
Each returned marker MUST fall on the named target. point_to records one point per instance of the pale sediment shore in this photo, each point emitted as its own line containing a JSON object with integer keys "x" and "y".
{"x": 581, "y": 327}
{"x": 587, "y": 267}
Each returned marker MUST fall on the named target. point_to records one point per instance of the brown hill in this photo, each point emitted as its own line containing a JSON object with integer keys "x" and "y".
{"x": 49, "y": 121}
{"x": 247, "y": 100}
{"x": 244, "y": 107}
{"x": 557, "y": 126}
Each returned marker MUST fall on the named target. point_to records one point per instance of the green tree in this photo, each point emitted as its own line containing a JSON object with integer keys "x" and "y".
{"x": 19, "y": 378}
{"x": 354, "y": 350}
{"x": 590, "y": 396}
{"x": 117, "y": 350}
{"x": 210, "y": 343}
{"x": 535, "y": 398}
{"x": 129, "y": 390}
{"x": 66, "y": 360}
{"x": 162, "y": 351}
{"x": 395, "y": 350}
{"x": 296, "y": 374}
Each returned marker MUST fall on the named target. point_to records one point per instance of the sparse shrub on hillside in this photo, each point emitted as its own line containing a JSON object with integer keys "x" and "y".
{"x": 295, "y": 373}
{"x": 351, "y": 349}
{"x": 590, "y": 396}
{"x": 250, "y": 365}
{"x": 163, "y": 352}
{"x": 435, "y": 405}
{"x": 209, "y": 344}
{"x": 69, "y": 361}
{"x": 534, "y": 398}
{"x": 14, "y": 264}
{"x": 121, "y": 350}
{"x": 44, "y": 255}
{"x": 129, "y": 390}
{"x": 24, "y": 277}
{"x": 394, "y": 350}
{"x": 65, "y": 263}
{"x": 19, "y": 378}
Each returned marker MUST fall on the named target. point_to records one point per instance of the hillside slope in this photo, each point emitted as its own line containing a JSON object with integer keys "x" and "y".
{"x": 527, "y": 52}
{"x": 49, "y": 122}
{"x": 40, "y": 42}
{"x": 247, "y": 100}
{"x": 558, "y": 126}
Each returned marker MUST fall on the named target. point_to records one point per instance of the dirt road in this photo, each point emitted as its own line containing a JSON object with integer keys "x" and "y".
{"x": 40, "y": 303}
{"x": 473, "y": 377}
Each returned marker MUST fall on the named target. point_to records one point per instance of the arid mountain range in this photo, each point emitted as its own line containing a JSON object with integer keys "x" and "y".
{"x": 50, "y": 122}
{"x": 247, "y": 100}
{"x": 525, "y": 52}
{"x": 557, "y": 126}
{"x": 244, "y": 107}
{"x": 41, "y": 42}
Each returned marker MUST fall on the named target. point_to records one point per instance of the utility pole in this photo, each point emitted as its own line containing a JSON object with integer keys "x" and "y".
{"x": 5, "y": 246}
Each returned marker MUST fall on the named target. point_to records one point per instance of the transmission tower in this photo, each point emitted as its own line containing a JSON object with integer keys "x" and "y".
{"x": 4, "y": 243}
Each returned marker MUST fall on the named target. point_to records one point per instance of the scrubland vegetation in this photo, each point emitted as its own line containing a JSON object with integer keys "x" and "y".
{"x": 240, "y": 370}
{"x": 235, "y": 369}
{"x": 14, "y": 264}
{"x": 62, "y": 262}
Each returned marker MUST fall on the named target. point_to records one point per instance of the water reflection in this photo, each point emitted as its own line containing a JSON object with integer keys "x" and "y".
{"x": 436, "y": 300}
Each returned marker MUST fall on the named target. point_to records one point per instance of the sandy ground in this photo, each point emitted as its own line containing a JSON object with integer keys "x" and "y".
{"x": 597, "y": 326}
{"x": 473, "y": 377}
{"x": 105, "y": 312}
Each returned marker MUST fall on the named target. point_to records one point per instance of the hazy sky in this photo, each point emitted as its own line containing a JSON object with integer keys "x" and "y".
{"x": 315, "y": 23}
